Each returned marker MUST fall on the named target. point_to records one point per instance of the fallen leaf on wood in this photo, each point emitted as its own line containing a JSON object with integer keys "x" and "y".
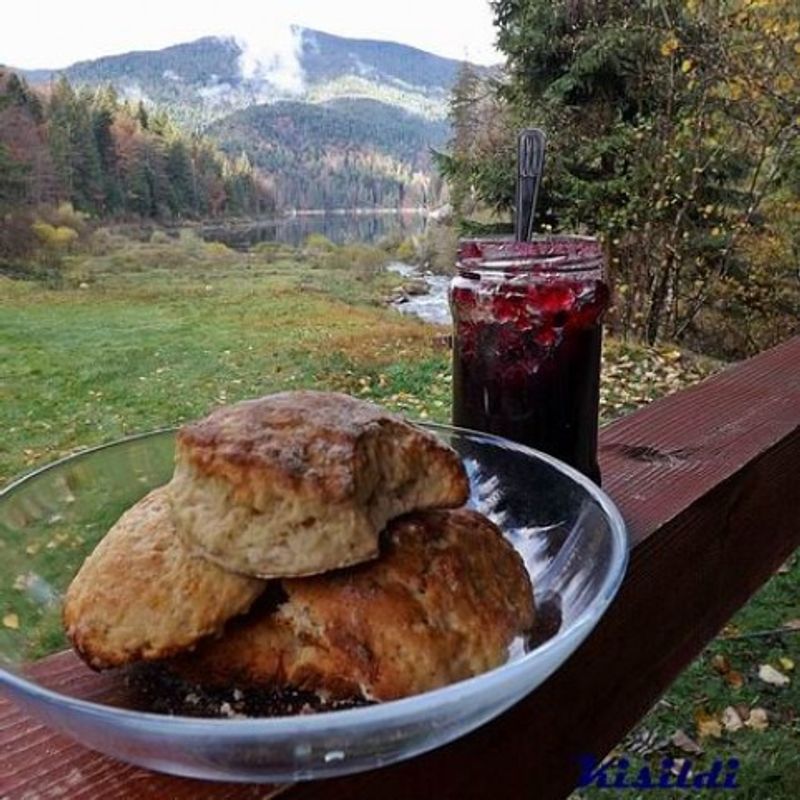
{"x": 684, "y": 742}
{"x": 731, "y": 720}
{"x": 743, "y": 710}
{"x": 786, "y": 663}
{"x": 772, "y": 676}
{"x": 758, "y": 719}
{"x": 734, "y": 679}
{"x": 721, "y": 664}
{"x": 11, "y": 621}
{"x": 707, "y": 724}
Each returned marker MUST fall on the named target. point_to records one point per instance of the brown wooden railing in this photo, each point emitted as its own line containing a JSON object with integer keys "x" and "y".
{"x": 708, "y": 481}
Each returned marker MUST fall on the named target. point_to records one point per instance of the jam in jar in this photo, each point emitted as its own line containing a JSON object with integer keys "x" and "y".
{"x": 526, "y": 345}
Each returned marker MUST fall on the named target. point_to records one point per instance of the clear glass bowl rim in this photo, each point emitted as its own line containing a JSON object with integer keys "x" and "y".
{"x": 391, "y": 712}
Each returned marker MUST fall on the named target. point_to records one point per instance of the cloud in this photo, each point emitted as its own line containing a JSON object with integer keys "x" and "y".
{"x": 271, "y": 50}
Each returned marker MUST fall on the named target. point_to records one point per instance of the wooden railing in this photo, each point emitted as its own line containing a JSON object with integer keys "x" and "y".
{"x": 708, "y": 481}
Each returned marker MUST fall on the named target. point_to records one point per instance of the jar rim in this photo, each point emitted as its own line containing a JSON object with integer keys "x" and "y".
{"x": 541, "y": 254}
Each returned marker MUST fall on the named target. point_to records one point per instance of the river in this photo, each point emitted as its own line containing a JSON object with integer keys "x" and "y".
{"x": 432, "y": 306}
{"x": 341, "y": 227}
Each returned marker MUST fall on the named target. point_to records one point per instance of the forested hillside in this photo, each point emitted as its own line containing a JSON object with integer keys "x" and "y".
{"x": 108, "y": 158}
{"x": 345, "y": 153}
{"x": 337, "y": 122}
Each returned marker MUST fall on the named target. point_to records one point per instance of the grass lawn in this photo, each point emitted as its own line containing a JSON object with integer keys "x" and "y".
{"x": 144, "y": 336}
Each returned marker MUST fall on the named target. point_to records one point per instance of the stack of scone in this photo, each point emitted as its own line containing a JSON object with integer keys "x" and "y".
{"x": 345, "y": 509}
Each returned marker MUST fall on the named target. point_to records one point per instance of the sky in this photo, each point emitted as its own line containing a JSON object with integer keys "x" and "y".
{"x": 55, "y": 33}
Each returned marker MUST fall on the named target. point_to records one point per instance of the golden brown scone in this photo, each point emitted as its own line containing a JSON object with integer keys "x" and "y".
{"x": 443, "y": 603}
{"x": 303, "y": 482}
{"x": 142, "y": 595}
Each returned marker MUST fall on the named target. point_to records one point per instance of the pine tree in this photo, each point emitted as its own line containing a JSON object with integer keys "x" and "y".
{"x": 60, "y": 134}
{"x": 13, "y": 180}
{"x": 665, "y": 135}
{"x": 181, "y": 178}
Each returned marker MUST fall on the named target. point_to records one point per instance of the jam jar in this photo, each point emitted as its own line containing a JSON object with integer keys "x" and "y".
{"x": 526, "y": 347}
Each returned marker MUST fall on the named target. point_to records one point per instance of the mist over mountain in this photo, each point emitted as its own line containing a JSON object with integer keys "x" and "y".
{"x": 202, "y": 80}
{"x": 356, "y": 118}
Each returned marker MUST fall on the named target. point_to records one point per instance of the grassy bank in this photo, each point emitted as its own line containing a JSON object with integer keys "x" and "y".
{"x": 139, "y": 336}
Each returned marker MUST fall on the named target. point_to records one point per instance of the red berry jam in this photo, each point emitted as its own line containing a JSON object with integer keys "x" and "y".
{"x": 526, "y": 350}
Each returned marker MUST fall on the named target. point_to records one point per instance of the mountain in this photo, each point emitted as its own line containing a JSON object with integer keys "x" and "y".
{"x": 203, "y": 80}
{"x": 334, "y": 121}
{"x": 344, "y": 153}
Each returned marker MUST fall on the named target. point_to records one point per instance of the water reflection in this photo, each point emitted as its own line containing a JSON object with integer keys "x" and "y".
{"x": 339, "y": 227}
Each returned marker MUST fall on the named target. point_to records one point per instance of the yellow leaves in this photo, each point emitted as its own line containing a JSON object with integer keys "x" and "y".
{"x": 735, "y": 90}
{"x": 55, "y": 237}
{"x": 756, "y": 3}
{"x": 669, "y": 45}
{"x": 786, "y": 663}
{"x": 687, "y": 65}
{"x": 11, "y": 621}
{"x": 707, "y": 724}
{"x": 791, "y": 30}
{"x": 757, "y": 720}
{"x": 731, "y": 719}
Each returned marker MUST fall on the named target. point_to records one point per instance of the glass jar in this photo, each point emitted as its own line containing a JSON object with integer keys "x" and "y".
{"x": 526, "y": 348}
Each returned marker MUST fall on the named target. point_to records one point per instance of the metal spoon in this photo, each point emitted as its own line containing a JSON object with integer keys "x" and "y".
{"x": 530, "y": 164}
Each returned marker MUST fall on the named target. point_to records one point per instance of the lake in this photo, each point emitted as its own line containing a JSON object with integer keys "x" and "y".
{"x": 338, "y": 226}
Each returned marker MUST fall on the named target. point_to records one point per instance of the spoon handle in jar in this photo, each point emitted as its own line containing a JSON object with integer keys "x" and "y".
{"x": 530, "y": 163}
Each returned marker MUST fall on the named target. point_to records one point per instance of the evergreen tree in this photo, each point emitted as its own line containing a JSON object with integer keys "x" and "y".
{"x": 13, "y": 179}
{"x": 60, "y": 134}
{"x": 181, "y": 177}
{"x": 666, "y": 134}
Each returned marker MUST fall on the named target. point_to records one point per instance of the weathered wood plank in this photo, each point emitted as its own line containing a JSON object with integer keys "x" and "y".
{"x": 707, "y": 480}
{"x": 38, "y": 764}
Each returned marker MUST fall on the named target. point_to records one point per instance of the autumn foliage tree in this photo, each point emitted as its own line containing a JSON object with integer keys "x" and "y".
{"x": 672, "y": 129}
{"x": 111, "y": 158}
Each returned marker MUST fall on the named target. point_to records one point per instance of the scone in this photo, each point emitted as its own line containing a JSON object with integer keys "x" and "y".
{"x": 303, "y": 482}
{"x": 142, "y": 595}
{"x": 443, "y": 603}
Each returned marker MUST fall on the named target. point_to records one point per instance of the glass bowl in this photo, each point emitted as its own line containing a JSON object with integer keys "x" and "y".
{"x": 569, "y": 533}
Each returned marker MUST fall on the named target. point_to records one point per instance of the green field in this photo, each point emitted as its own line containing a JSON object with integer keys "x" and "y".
{"x": 142, "y": 336}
